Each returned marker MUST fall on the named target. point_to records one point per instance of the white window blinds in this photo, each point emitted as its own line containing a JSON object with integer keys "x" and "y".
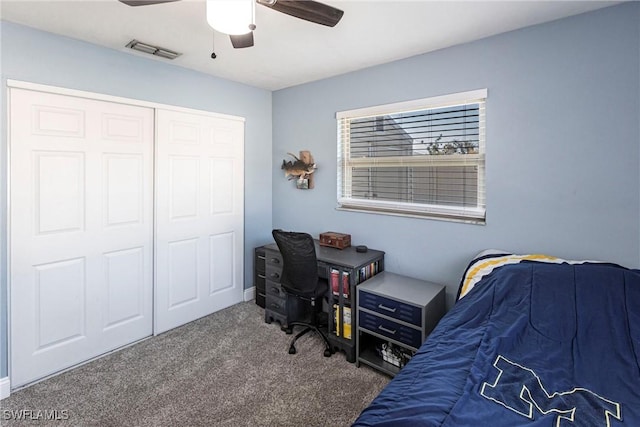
{"x": 417, "y": 158}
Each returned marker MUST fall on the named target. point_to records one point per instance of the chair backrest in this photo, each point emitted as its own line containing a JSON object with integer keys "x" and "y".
{"x": 300, "y": 265}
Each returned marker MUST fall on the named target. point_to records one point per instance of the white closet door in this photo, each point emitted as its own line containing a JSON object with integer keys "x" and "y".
{"x": 81, "y": 230}
{"x": 199, "y": 216}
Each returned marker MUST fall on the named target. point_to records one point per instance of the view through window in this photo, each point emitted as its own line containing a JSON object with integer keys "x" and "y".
{"x": 419, "y": 158}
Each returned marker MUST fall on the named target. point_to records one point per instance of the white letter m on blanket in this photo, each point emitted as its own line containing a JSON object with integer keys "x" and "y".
{"x": 519, "y": 389}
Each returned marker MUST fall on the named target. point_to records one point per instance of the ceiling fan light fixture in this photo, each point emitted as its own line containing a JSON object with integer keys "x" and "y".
{"x": 233, "y": 17}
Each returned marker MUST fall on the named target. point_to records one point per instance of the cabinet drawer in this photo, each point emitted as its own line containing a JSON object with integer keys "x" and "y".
{"x": 391, "y": 308}
{"x": 278, "y": 305}
{"x": 389, "y": 329}
{"x": 274, "y": 289}
{"x": 273, "y": 273}
{"x": 273, "y": 258}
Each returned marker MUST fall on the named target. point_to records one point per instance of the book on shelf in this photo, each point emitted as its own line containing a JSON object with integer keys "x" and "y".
{"x": 339, "y": 286}
{"x": 367, "y": 271}
{"x": 346, "y": 320}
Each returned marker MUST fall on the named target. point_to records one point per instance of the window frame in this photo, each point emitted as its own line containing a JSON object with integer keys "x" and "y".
{"x": 470, "y": 214}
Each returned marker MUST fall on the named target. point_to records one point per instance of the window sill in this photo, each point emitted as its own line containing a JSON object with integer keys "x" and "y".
{"x": 418, "y": 215}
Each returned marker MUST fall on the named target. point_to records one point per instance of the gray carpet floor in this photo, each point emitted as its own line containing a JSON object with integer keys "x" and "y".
{"x": 226, "y": 369}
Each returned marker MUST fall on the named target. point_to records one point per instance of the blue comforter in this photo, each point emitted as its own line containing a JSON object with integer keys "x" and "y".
{"x": 532, "y": 344}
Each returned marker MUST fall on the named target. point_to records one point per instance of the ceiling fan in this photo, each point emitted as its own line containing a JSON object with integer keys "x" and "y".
{"x": 236, "y": 17}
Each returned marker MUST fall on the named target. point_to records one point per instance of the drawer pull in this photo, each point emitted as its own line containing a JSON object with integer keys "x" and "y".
{"x": 261, "y": 276}
{"x": 392, "y": 310}
{"x": 275, "y": 290}
{"x": 262, "y": 257}
{"x": 389, "y": 331}
{"x": 275, "y": 276}
{"x": 276, "y": 306}
{"x": 275, "y": 260}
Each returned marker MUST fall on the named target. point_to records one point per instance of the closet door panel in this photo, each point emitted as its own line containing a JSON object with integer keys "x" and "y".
{"x": 199, "y": 216}
{"x": 81, "y": 228}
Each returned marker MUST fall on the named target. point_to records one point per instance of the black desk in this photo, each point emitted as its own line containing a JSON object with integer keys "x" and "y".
{"x": 347, "y": 258}
{"x": 357, "y": 266}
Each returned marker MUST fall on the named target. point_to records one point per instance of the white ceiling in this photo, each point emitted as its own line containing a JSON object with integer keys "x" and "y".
{"x": 289, "y": 51}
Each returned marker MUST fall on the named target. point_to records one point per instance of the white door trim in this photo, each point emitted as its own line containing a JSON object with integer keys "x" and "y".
{"x": 112, "y": 98}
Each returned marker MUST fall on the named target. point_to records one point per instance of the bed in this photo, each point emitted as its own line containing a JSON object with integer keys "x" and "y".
{"x": 531, "y": 341}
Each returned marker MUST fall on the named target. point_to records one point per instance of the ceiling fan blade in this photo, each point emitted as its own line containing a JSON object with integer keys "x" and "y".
{"x": 308, "y": 10}
{"x": 243, "y": 40}
{"x": 144, "y": 2}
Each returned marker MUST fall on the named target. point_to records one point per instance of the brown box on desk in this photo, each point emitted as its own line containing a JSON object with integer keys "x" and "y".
{"x": 335, "y": 240}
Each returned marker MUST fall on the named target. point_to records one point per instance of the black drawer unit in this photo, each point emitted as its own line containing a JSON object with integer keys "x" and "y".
{"x": 395, "y": 315}
{"x": 278, "y": 306}
{"x": 259, "y": 280}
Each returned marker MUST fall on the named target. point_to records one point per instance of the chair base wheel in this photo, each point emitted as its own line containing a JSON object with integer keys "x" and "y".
{"x": 292, "y": 350}
{"x": 327, "y": 353}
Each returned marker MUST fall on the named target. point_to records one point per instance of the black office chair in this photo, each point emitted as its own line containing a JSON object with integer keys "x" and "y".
{"x": 300, "y": 279}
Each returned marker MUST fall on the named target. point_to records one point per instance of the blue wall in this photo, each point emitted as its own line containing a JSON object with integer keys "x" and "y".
{"x": 40, "y": 57}
{"x": 563, "y": 146}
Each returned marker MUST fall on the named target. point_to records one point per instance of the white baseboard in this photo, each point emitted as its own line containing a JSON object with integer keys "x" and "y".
{"x": 5, "y": 388}
{"x": 249, "y": 294}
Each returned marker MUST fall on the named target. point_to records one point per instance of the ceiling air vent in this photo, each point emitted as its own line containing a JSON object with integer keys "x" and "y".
{"x": 152, "y": 50}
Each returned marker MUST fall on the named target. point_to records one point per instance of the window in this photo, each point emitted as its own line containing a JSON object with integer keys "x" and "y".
{"x": 417, "y": 158}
